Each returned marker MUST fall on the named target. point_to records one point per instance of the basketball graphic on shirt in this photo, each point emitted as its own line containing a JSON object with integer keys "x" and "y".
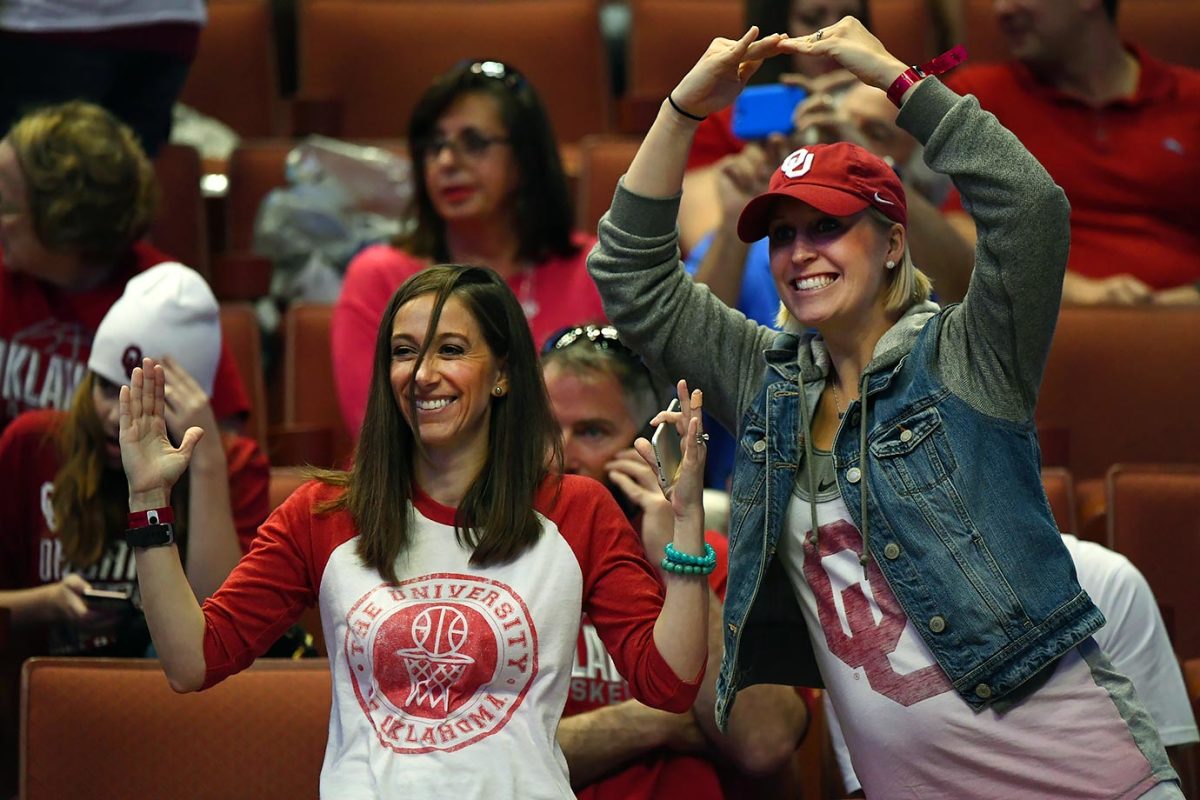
{"x": 440, "y": 661}
{"x": 440, "y": 630}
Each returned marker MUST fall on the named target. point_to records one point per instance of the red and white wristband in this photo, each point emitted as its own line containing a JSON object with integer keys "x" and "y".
{"x": 943, "y": 63}
{"x": 151, "y": 528}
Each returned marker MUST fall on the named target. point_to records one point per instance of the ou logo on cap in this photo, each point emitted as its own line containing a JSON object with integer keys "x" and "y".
{"x": 797, "y": 164}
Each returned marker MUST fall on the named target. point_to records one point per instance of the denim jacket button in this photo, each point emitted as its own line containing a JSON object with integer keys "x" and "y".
{"x": 906, "y": 435}
{"x": 891, "y": 551}
{"x": 760, "y": 445}
{"x": 937, "y": 624}
{"x": 853, "y": 474}
{"x": 983, "y": 691}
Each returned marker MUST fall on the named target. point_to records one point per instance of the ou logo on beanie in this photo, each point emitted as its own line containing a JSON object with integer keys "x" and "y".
{"x": 166, "y": 310}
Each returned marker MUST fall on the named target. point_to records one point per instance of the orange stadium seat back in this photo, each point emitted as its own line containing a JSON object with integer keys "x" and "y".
{"x": 1168, "y": 29}
{"x": 255, "y": 168}
{"x": 1154, "y": 520}
{"x": 667, "y": 37}
{"x": 906, "y": 28}
{"x": 374, "y": 58}
{"x": 180, "y": 227}
{"x": 260, "y": 733}
{"x": 234, "y": 76}
{"x": 984, "y": 42}
{"x": 602, "y": 161}
{"x": 241, "y": 333}
{"x": 1060, "y": 491}
{"x": 311, "y": 430}
{"x": 1124, "y": 383}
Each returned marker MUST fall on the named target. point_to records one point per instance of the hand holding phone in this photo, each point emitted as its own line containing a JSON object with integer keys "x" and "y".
{"x": 760, "y": 111}
{"x": 668, "y": 450}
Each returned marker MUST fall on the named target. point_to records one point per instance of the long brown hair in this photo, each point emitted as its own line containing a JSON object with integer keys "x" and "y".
{"x": 91, "y": 500}
{"x": 496, "y": 517}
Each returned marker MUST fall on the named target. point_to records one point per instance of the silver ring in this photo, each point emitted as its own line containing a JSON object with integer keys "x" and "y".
{"x": 702, "y": 439}
{"x": 820, "y": 32}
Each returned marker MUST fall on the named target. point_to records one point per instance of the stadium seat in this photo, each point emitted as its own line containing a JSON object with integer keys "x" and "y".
{"x": 372, "y": 59}
{"x": 1154, "y": 520}
{"x": 180, "y": 227}
{"x": 311, "y": 430}
{"x": 1060, "y": 491}
{"x": 240, "y": 331}
{"x": 233, "y": 77}
{"x": 260, "y": 733}
{"x": 602, "y": 161}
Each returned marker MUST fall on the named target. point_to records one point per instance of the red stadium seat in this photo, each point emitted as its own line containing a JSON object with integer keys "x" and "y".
{"x": 180, "y": 227}
{"x": 602, "y": 161}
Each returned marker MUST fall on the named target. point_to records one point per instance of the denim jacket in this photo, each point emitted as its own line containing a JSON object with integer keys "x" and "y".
{"x": 943, "y": 437}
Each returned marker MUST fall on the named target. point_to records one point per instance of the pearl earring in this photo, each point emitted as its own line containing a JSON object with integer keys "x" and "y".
{"x": 891, "y": 264}
{"x": 498, "y": 391}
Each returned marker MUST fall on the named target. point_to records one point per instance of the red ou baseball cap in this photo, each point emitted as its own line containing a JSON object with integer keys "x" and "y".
{"x": 839, "y": 179}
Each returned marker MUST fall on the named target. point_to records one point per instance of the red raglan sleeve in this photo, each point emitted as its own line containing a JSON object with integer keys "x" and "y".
{"x": 272, "y": 584}
{"x": 249, "y": 487}
{"x": 622, "y": 595}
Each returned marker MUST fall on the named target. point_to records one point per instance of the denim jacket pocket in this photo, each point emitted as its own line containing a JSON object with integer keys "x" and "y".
{"x": 914, "y": 453}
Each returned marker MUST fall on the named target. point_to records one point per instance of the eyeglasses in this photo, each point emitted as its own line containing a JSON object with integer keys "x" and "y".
{"x": 469, "y": 143}
{"x": 601, "y": 337}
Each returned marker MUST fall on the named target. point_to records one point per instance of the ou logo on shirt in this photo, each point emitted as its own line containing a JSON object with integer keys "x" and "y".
{"x": 797, "y": 164}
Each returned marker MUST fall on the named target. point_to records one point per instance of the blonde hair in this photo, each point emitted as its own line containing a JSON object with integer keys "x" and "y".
{"x": 907, "y": 285}
{"x": 91, "y": 188}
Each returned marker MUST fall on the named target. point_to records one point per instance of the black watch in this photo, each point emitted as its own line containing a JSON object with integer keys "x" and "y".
{"x": 159, "y": 535}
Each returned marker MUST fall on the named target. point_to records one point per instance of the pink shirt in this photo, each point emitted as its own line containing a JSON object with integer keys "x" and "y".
{"x": 557, "y": 293}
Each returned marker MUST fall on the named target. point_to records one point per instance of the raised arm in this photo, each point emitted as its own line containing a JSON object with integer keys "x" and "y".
{"x": 153, "y": 466}
{"x": 673, "y": 323}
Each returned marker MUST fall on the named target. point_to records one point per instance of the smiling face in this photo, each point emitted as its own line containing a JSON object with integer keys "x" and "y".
{"x": 454, "y": 386}
{"x": 829, "y": 271}
{"x": 472, "y": 176}
{"x": 594, "y": 416}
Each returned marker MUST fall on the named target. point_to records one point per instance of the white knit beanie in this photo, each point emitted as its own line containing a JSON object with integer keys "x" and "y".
{"x": 168, "y": 310}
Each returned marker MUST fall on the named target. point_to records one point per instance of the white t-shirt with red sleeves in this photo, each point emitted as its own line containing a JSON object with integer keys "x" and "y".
{"x": 451, "y": 682}
{"x": 1081, "y": 734}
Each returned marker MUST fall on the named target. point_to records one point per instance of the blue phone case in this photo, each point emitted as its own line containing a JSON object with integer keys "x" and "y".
{"x": 762, "y": 110}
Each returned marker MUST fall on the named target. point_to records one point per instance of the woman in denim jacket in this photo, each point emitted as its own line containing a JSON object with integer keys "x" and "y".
{"x": 889, "y": 533}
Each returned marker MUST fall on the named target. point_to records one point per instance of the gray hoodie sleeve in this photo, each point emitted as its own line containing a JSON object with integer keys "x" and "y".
{"x": 992, "y": 348}
{"x": 680, "y": 329}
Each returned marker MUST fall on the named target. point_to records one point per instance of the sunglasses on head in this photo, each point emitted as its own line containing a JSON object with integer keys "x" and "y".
{"x": 600, "y": 337}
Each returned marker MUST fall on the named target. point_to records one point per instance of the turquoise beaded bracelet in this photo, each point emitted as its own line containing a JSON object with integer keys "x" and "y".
{"x": 687, "y": 564}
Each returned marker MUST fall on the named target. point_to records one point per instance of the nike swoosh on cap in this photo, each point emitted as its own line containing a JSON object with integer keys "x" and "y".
{"x": 879, "y": 199}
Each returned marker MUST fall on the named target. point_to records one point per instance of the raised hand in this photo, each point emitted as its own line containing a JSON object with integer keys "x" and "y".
{"x": 855, "y": 48}
{"x": 187, "y": 405}
{"x": 721, "y": 73}
{"x": 686, "y": 493}
{"x": 152, "y": 464}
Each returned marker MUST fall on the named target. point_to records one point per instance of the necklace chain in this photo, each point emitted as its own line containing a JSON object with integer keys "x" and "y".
{"x": 837, "y": 400}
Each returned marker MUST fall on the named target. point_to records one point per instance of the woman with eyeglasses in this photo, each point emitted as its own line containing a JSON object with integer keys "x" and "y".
{"x": 489, "y": 190}
{"x": 451, "y": 563}
{"x": 890, "y": 536}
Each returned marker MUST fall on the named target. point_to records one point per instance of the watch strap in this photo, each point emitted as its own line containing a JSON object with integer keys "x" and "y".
{"x": 156, "y": 535}
{"x": 943, "y": 63}
{"x": 151, "y": 516}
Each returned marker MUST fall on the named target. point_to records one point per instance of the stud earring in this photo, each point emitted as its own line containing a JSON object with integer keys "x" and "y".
{"x": 891, "y": 264}
{"x": 498, "y": 391}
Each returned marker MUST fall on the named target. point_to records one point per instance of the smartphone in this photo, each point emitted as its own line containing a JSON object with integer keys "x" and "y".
{"x": 668, "y": 450}
{"x": 760, "y": 111}
{"x": 106, "y": 598}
